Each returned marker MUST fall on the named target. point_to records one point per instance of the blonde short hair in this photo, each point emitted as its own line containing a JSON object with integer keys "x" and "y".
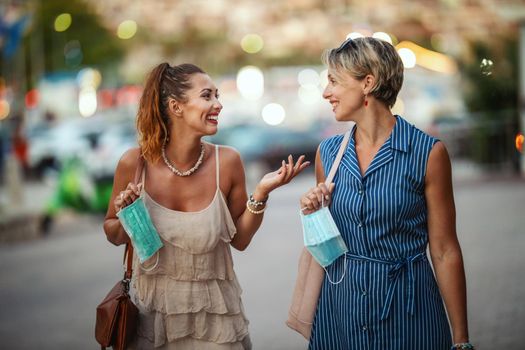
{"x": 363, "y": 56}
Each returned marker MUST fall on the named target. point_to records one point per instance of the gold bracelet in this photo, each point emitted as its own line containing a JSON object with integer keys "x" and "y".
{"x": 255, "y": 212}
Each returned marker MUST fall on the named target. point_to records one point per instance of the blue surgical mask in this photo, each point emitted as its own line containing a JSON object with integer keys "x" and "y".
{"x": 137, "y": 223}
{"x": 322, "y": 237}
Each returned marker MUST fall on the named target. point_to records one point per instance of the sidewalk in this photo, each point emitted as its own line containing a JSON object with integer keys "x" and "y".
{"x": 19, "y": 218}
{"x": 468, "y": 172}
{"x": 20, "y": 221}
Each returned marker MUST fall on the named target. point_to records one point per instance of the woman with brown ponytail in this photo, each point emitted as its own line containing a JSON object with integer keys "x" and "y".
{"x": 189, "y": 298}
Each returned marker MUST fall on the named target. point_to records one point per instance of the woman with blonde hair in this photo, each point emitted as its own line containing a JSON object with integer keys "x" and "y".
{"x": 392, "y": 197}
{"x": 188, "y": 294}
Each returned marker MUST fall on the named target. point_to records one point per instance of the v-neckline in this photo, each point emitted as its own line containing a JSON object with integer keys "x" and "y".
{"x": 379, "y": 156}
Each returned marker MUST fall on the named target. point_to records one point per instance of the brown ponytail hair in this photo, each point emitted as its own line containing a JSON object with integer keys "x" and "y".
{"x": 153, "y": 122}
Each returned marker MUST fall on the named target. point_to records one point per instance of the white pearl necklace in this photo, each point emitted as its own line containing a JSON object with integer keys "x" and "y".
{"x": 177, "y": 171}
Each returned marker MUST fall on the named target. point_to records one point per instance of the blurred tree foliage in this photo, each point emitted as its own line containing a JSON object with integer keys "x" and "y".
{"x": 85, "y": 43}
{"x": 491, "y": 95}
{"x": 217, "y": 53}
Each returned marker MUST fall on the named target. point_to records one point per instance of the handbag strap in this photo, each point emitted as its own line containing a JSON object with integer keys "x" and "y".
{"x": 128, "y": 252}
{"x": 337, "y": 160}
{"x": 128, "y": 260}
{"x": 139, "y": 169}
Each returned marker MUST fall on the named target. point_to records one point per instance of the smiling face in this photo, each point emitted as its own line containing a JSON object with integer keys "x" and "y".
{"x": 200, "y": 111}
{"x": 345, "y": 93}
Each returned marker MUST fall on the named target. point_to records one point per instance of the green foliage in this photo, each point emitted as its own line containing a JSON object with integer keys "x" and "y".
{"x": 99, "y": 46}
{"x": 491, "y": 95}
{"x": 498, "y": 90}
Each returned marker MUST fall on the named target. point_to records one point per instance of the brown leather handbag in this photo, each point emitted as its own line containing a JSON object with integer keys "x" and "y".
{"x": 117, "y": 316}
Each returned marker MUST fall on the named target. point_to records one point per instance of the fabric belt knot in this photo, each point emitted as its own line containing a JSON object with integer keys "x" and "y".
{"x": 393, "y": 276}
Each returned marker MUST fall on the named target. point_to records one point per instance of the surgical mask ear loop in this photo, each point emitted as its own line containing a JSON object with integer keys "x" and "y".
{"x": 156, "y": 264}
{"x": 343, "y": 276}
{"x": 345, "y": 262}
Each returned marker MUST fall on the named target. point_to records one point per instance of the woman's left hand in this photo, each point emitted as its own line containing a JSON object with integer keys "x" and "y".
{"x": 283, "y": 175}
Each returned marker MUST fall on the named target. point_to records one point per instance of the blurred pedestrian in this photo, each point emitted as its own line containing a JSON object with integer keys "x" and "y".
{"x": 3, "y": 151}
{"x": 21, "y": 145}
{"x": 392, "y": 197}
{"x": 188, "y": 294}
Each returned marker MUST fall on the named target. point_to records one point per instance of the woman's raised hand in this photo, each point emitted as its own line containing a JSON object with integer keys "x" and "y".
{"x": 128, "y": 196}
{"x": 316, "y": 197}
{"x": 283, "y": 175}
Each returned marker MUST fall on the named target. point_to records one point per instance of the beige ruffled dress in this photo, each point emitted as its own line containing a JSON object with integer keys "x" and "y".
{"x": 188, "y": 294}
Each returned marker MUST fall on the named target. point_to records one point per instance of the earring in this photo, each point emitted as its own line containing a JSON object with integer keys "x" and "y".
{"x": 366, "y": 101}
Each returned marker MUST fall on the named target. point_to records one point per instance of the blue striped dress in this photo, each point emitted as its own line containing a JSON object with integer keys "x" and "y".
{"x": 388, "y": 298}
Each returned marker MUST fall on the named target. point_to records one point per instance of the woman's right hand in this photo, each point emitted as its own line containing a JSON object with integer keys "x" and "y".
{"x": 318, "y": 196}
{"x": 128, "y": 196}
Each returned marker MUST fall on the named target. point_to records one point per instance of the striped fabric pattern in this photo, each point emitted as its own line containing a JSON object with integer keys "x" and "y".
{"x": 389, "y": 298}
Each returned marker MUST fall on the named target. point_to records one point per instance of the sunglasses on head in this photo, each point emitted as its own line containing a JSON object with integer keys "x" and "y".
{"x": 348, "y": 42}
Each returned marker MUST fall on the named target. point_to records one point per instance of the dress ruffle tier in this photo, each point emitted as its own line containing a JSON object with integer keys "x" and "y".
{"x": 191, "y": 299}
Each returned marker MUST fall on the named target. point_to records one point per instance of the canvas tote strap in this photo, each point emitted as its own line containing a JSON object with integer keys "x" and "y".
{"x": 337, "y": 160}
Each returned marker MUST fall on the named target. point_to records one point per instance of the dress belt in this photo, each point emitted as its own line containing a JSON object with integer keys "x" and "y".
{"x": 393, "y": 276}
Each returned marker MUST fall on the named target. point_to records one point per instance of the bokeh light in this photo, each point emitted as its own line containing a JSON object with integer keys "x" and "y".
{"x": 308, "y": 76}
{"x": 31, "y": 99}
{"x": 382, "y": 36}
{"x": 486, "y": 66}
{"x": 252, "y": 43}
{"x": 127, "y": 29}
{"x": 354, "y": 35}
{"x": 87, "y": 101}
{"x": 408, "y": 57}
{"x": 250, "y": 83}
{"x": 89, "y": 77}
{"x": 309, "y": 94}
{"x": 426, "y": 58}
{"x": 324, "y": 78}
{"x": 63, "y": 22}
{"x": 4, "y": 109}
{"x": 437, "y": 41}
{"x": 88, "y": 80}
{"x": 520, "y": 138}
{"x": 273, "y": 114}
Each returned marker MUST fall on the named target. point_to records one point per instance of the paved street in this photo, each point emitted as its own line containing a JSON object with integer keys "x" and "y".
{"x": 50, "y": 287}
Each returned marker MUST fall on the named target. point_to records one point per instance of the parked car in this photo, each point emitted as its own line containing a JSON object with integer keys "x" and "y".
{"x": 49, "y": 147}
{"x": 455, "y": 132}
{"x": 268, "y": 145}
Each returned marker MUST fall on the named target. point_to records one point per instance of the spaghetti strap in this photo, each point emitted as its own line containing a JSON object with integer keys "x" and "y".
{"x": 217, "y": 164}
{"x": 143, "y": 177}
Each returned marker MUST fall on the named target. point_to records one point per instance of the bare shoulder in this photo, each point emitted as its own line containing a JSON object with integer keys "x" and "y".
{"x": 438, "y": 162}
{"x": 231, "y": 166}
{"x": 439, "y": 154}
{"x": 230, "y": 156}
{"x": 128, "y": 162}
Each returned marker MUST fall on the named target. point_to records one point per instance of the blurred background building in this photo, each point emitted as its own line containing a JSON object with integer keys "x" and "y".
{"x": 71, "y": 75}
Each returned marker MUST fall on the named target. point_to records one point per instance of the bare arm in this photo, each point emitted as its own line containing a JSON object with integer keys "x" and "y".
{"x": 312, "y": 200}
{"x": 444, "y": 246}
{"x": 123, "y": 177}
{"x": 248, "y": 223}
